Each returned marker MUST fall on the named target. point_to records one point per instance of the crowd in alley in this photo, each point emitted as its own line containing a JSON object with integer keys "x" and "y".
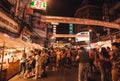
{"x": 104, "y": 60}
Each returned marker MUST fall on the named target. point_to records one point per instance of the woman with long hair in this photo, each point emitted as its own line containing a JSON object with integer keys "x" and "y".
{"x": 104, "y": 65}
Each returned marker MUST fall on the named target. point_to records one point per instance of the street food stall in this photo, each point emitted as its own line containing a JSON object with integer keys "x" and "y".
{"x": 8, "y": 56}
{"x": 10, "y": 52}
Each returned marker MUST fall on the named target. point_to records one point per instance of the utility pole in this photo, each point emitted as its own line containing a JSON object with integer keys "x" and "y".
{"x": 17, "y": 6}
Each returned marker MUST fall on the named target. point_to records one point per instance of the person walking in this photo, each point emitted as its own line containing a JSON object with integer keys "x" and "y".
{"x": 115, "y": 57}
{"x": 22, "y": 63}
{"x": 38, "y": 66}
{"x": 104, "y": 65}
{"x": 83, "y": 57}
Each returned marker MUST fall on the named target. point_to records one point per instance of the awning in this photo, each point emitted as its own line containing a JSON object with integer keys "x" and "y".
{"x": 16, "y": 43}
{"x": 8, "y": 41}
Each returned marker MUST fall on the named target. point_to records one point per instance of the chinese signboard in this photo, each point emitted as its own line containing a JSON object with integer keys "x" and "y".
{"x": 39, "y": 4}
{"x": 8, "y": 23}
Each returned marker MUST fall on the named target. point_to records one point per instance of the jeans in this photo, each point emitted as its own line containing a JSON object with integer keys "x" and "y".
{"x": 105, "y": 74}
{"x": 83, "y": 71}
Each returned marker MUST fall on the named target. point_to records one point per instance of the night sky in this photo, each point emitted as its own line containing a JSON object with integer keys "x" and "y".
{"x": 65, "y": 8}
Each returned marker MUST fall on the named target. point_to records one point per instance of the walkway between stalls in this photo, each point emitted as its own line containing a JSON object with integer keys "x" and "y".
{"x": 62, "y": 74}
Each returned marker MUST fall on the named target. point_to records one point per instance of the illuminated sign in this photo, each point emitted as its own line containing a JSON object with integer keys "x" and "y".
{"x": 7, "y": 23}
{"x": 83, "y": 36}
{"x": 70, "y": 28}
{"x": 39, "y": 4}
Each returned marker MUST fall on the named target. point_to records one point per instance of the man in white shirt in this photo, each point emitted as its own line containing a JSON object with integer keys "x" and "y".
{"x": 38, "y": 66}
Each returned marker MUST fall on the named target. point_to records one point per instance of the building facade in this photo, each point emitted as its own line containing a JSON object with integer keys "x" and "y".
{"x": 27, "y": 18}
{"x": 89, "y": 10}
{"x": 8, "y": 24}
{"x": 104, "y": 10}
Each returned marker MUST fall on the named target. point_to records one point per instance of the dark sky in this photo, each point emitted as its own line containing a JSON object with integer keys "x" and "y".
{"x": 65, "y": 8}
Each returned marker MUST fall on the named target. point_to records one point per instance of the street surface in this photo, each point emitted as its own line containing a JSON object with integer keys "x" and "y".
{"x": 62, "y": 74}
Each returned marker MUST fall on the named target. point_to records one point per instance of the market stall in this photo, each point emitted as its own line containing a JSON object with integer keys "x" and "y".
{"x": 10, "y": 52}
{"x": 9, "y": 55}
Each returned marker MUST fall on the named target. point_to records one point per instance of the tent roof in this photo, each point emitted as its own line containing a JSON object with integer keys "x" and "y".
{"x": 11, "y": 42}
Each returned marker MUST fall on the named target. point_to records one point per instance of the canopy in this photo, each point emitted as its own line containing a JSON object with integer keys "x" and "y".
{"x": 16, "y": 43}
{"x": 9, "y": 42}
{"x": 37, "y": 46}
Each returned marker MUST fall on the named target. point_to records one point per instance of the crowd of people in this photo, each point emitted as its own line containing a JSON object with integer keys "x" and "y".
{"x": 104, "y": 60}
{"x": 33, "y": 64}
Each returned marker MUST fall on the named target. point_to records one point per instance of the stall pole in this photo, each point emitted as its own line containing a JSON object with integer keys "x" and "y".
{"x": 3, "y": 55}
{"x": 2, "y": 60}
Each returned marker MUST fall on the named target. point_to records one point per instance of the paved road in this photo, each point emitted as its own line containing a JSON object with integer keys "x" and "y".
{"x": 65, "y": 74}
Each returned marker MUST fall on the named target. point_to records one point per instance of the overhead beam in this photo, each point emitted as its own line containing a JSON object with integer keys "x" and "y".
{"x": 64, "y": 35}
{"x": 57, "y": 19}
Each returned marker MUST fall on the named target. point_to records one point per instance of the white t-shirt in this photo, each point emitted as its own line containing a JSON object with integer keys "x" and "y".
{"x": 38, "y": 60}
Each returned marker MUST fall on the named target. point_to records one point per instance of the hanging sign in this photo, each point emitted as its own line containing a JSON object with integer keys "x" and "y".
{"x": 39, "y": 4}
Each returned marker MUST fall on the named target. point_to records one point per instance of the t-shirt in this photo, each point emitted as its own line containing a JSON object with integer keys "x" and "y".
{"x": 38, "y": 60}
{"x": 92, "y": 54}
{"x": 84, "y": 57}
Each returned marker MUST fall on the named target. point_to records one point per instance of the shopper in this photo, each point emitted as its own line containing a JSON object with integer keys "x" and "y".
{"x": 92, "y": 55}
{"x": 38, "y": 66}
{"x": 22, "y": 63}
{"x": 115, "y": 61}
{"x": 105, "y": 65}
{"x": 28, "y": 64}
{"x": 83, "y": 57}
